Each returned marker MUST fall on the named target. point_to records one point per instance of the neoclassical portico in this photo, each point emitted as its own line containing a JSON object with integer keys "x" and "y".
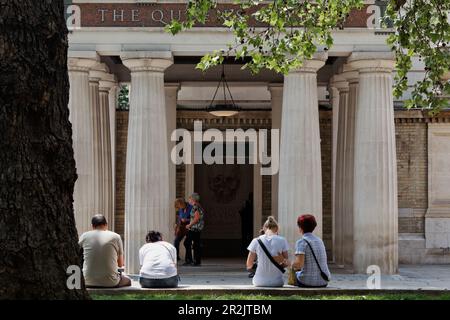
{"x": 373, "y": 174}
{"x": 365, "y": 177}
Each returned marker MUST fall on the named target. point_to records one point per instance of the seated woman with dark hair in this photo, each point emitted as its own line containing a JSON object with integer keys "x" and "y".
{"x": 310, "y": 256}
{"x": 159, "y": 263}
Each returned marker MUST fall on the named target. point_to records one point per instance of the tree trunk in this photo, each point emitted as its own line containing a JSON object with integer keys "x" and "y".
{"x": 38, "y": 239}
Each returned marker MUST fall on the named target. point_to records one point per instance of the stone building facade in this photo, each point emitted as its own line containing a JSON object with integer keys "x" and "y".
{"x": 375, "y": 175}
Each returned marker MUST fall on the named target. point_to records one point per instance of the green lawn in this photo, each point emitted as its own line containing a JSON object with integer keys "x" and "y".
{"x": 412, "y": 296}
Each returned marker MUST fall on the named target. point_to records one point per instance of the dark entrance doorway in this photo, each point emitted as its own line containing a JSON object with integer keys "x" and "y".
{"x": 226, "y": 192}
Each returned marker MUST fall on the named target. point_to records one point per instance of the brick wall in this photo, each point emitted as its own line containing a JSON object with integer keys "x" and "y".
{"x": 180, "y": 183}
{"x": 160, "y": 14}
{"x": 266, "y": 198}
{"x": 412, "y": 168}
{"x": 326, "y": 137}
{"x": 121, "y": 154}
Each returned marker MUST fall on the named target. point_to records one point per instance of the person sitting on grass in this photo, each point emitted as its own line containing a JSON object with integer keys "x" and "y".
{"x": 103, "y": 256}
{"x": 159, "y": 263}
{"x": 310, "y": 262}
{"x": 270, "y": 268}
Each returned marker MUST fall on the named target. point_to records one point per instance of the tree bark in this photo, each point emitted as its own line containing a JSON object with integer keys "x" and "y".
{"x": 38, "y": 238}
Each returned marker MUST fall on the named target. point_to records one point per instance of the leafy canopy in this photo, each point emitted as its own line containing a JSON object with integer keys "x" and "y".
{"x": 280, "y": 34}
{"x": 422, "y": 29}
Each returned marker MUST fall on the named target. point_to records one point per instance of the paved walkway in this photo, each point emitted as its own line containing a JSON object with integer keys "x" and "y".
{"x": 216, "y": 276}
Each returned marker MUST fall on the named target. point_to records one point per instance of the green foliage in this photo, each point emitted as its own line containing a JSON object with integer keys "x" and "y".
{"x": 124, "y": 98}
{"x": 290, "y": 31}
{"x": 287, "y": 32}
{"x": 422, "y": 29}
{"x": 306, "y": 296}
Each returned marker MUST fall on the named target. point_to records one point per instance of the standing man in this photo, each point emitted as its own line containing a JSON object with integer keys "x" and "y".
{"x": 103, "y": 256}
{"x": 194, "y": 228}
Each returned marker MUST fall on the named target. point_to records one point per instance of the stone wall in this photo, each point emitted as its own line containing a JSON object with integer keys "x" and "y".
{"x": 413, "y": 152}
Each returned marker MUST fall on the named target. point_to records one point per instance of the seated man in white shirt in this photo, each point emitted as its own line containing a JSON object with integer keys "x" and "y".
{"x": 103, "y": 256}
{"x": 159, "y": 263}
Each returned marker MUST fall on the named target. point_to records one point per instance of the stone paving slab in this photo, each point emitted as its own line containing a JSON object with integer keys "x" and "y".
{"x": 217, "y": 278}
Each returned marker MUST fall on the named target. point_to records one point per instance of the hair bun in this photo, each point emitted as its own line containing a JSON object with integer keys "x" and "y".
{"x": 271, "y": 223}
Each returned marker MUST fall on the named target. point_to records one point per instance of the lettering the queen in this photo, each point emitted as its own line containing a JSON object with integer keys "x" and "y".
{"x": 118, "y": 15}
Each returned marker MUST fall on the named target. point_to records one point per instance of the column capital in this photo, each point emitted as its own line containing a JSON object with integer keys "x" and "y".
{"x": 82, "y": 60}
{"x": 333, "y": 90}
{"x": 98, "y": 71}
{"x": 312, "y": 65}
{"x": 339, "y": 82}
{"x": 172, "y": 89}
{"x": 350, "y": 74}
{"x": 80, "y": 64}
{"x": 275, "y": 88}
{"x": 372, "y": 62}
{"x": 156, "y": 61}
{"x": 107, "y": 82}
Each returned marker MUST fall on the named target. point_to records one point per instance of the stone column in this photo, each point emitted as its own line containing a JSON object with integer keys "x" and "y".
{"x": 276, "y": 102}
{"x": 334, "y": 100}
{"x": 171, "y": 91}
{"x": 189, "y": 183}
{"x": 257, "y": 198}
{"x": 113, "y": 92}
{"x": 82, "y": 134}
{"x": 300, "y": 175}
{"x": 147, "y": 172}
{"x": 375, "y": 170}
{"x": 106, "y": 83}
{"x": 348, "y": 213}
{"x": 95, "y": 75}
{"x": 341, "y": 85}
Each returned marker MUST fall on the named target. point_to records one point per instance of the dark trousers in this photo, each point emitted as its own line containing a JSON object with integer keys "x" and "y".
{"x": 193, "y": 242}
{"x": 301, "y": 285}
{"x": 159, "y": 283}
{"x": 176, "y": 244}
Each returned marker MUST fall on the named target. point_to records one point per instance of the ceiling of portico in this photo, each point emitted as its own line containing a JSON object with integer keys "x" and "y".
{"x": 184, "y": 70}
